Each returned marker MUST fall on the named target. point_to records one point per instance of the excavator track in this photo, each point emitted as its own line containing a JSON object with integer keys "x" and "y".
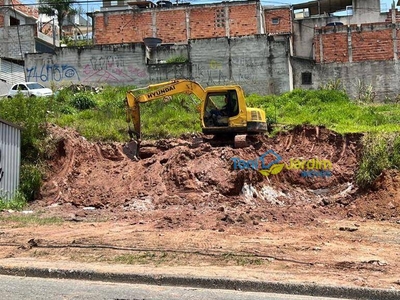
{"x": 236, "y": 141}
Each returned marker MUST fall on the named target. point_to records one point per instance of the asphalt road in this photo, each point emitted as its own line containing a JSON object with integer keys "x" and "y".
{"x": 13, "y": 287}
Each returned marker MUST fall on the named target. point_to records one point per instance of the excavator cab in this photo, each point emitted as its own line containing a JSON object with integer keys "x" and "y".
{"x": 219, "y": 107}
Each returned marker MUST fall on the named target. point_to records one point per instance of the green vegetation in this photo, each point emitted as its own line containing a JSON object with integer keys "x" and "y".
{"x": 101, "y": 116}
{"x": 177, "y": 59}
{"x": 380, "y": 151}
{"x": 62, "y": 9}
{"x": 23, "y": 220}
{"x": 139, "y": 258}
{"x": 170, "y": 118}
{"x": 30, "y": 114}
{"x": 242, "y": 260}
{"x": 331, "y": 108}
{"x": 18, "y": 202}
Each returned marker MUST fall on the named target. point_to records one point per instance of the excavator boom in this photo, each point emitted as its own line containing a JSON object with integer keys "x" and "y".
{"x": 156, "y": 91}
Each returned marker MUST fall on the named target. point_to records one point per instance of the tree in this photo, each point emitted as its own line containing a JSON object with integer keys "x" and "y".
{"x": 60, "y": 8}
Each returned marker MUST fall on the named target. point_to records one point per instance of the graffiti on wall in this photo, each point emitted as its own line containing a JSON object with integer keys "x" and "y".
{"x": 111, "y": 69}
{"x": 245, "y": 68}
{"x": 211, "y": 73}
{"x": 162, "y": 72}
{"x": 52, "y": 72}
{"x": 99, "y": 69}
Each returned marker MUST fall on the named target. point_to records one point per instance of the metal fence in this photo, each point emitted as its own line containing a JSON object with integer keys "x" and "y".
{"x": 10, "y": 157}
{"x": 11, "y": 72}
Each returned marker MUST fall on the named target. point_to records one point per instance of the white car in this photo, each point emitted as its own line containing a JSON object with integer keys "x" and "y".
{"x": 30, "y": 89}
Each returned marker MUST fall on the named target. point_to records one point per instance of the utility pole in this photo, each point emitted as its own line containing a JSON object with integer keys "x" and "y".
{"x": 87, "y": 21}
{"x": 54, "y": 32}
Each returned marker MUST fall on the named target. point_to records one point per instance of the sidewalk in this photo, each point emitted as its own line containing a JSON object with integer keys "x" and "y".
{"x": 170, "y": 276}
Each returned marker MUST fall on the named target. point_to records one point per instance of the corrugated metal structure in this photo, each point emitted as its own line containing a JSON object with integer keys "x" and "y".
{"x": 10, "y": 159}
{"x": 11, "y": 72}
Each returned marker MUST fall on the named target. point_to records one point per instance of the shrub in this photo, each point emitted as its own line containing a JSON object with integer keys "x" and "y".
{"x": 177, "y": 59}
{"x": 380, "y": 152}
{"x": 82, "y": 101}
{"x": 30, "y": 181}
{"x": 18, "y": 202}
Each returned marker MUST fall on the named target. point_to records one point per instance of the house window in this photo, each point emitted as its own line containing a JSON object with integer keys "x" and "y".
{"x": 349, "y": 10}
{"x": 14, "y": 21}
{"x": 306, "y": 78}
{"x": 275, "y": 21}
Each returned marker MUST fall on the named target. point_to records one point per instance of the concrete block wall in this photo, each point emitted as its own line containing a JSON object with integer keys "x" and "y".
{"x": 382, "y": 76}
{"x": 210, "y": 60}
{"x": 97, "y": 66}
{"x": 16, "y": 41}
{"x": 257, "y": 63}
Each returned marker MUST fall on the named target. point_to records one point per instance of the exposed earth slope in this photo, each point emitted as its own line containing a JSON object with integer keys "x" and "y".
{"x": 193, "y": 208}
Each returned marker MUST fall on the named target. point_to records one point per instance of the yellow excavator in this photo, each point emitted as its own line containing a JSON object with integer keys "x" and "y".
{"x": 223, "y": 110}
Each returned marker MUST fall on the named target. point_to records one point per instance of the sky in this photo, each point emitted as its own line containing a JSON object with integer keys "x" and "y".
{"x": 92, "y": 5}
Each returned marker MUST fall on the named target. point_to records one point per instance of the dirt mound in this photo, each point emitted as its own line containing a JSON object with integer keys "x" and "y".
{"x": 382, "y": 202}
{"x": 311, "y": 172}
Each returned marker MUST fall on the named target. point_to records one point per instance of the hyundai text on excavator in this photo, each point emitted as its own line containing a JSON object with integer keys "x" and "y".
{"x": 223, "y": 110}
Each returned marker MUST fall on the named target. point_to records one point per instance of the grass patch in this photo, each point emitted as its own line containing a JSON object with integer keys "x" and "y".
{"x": 16, "y": 203}
{"x": 170, "y": 119}
{"x": 330, "y": 108}
{"x": 143, "y": 258}
{"x": 22, "y": 220}
{"x": 241, "y": 260}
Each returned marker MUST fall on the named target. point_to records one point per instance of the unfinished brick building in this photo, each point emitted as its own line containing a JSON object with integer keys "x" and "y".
{"x": 179, "y": 23}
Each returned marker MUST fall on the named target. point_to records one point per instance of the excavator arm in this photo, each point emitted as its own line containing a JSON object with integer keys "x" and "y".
{"x": 156, "y": 91}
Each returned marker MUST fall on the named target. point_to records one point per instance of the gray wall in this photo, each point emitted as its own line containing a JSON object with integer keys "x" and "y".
{"x": 17, "y": 40}
{"x": 383, "y": 76}
{"x": 9, "y": 159}
{"x": 258, "y": 63}
{"x": 11, "y": 73}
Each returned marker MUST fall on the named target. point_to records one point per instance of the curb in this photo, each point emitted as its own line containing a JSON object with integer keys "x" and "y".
{"x": 207, "y": 282}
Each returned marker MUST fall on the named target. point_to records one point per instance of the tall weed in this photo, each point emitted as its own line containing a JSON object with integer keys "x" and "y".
{"x": 380, "y": 152}
{"x": 31, "y": 114}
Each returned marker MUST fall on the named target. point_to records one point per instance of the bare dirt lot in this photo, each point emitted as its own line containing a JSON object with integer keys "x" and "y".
{"x": 185, "y": 209}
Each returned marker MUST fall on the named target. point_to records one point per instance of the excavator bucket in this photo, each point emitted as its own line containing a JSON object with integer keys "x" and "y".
{"x": 131, "y": 149}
